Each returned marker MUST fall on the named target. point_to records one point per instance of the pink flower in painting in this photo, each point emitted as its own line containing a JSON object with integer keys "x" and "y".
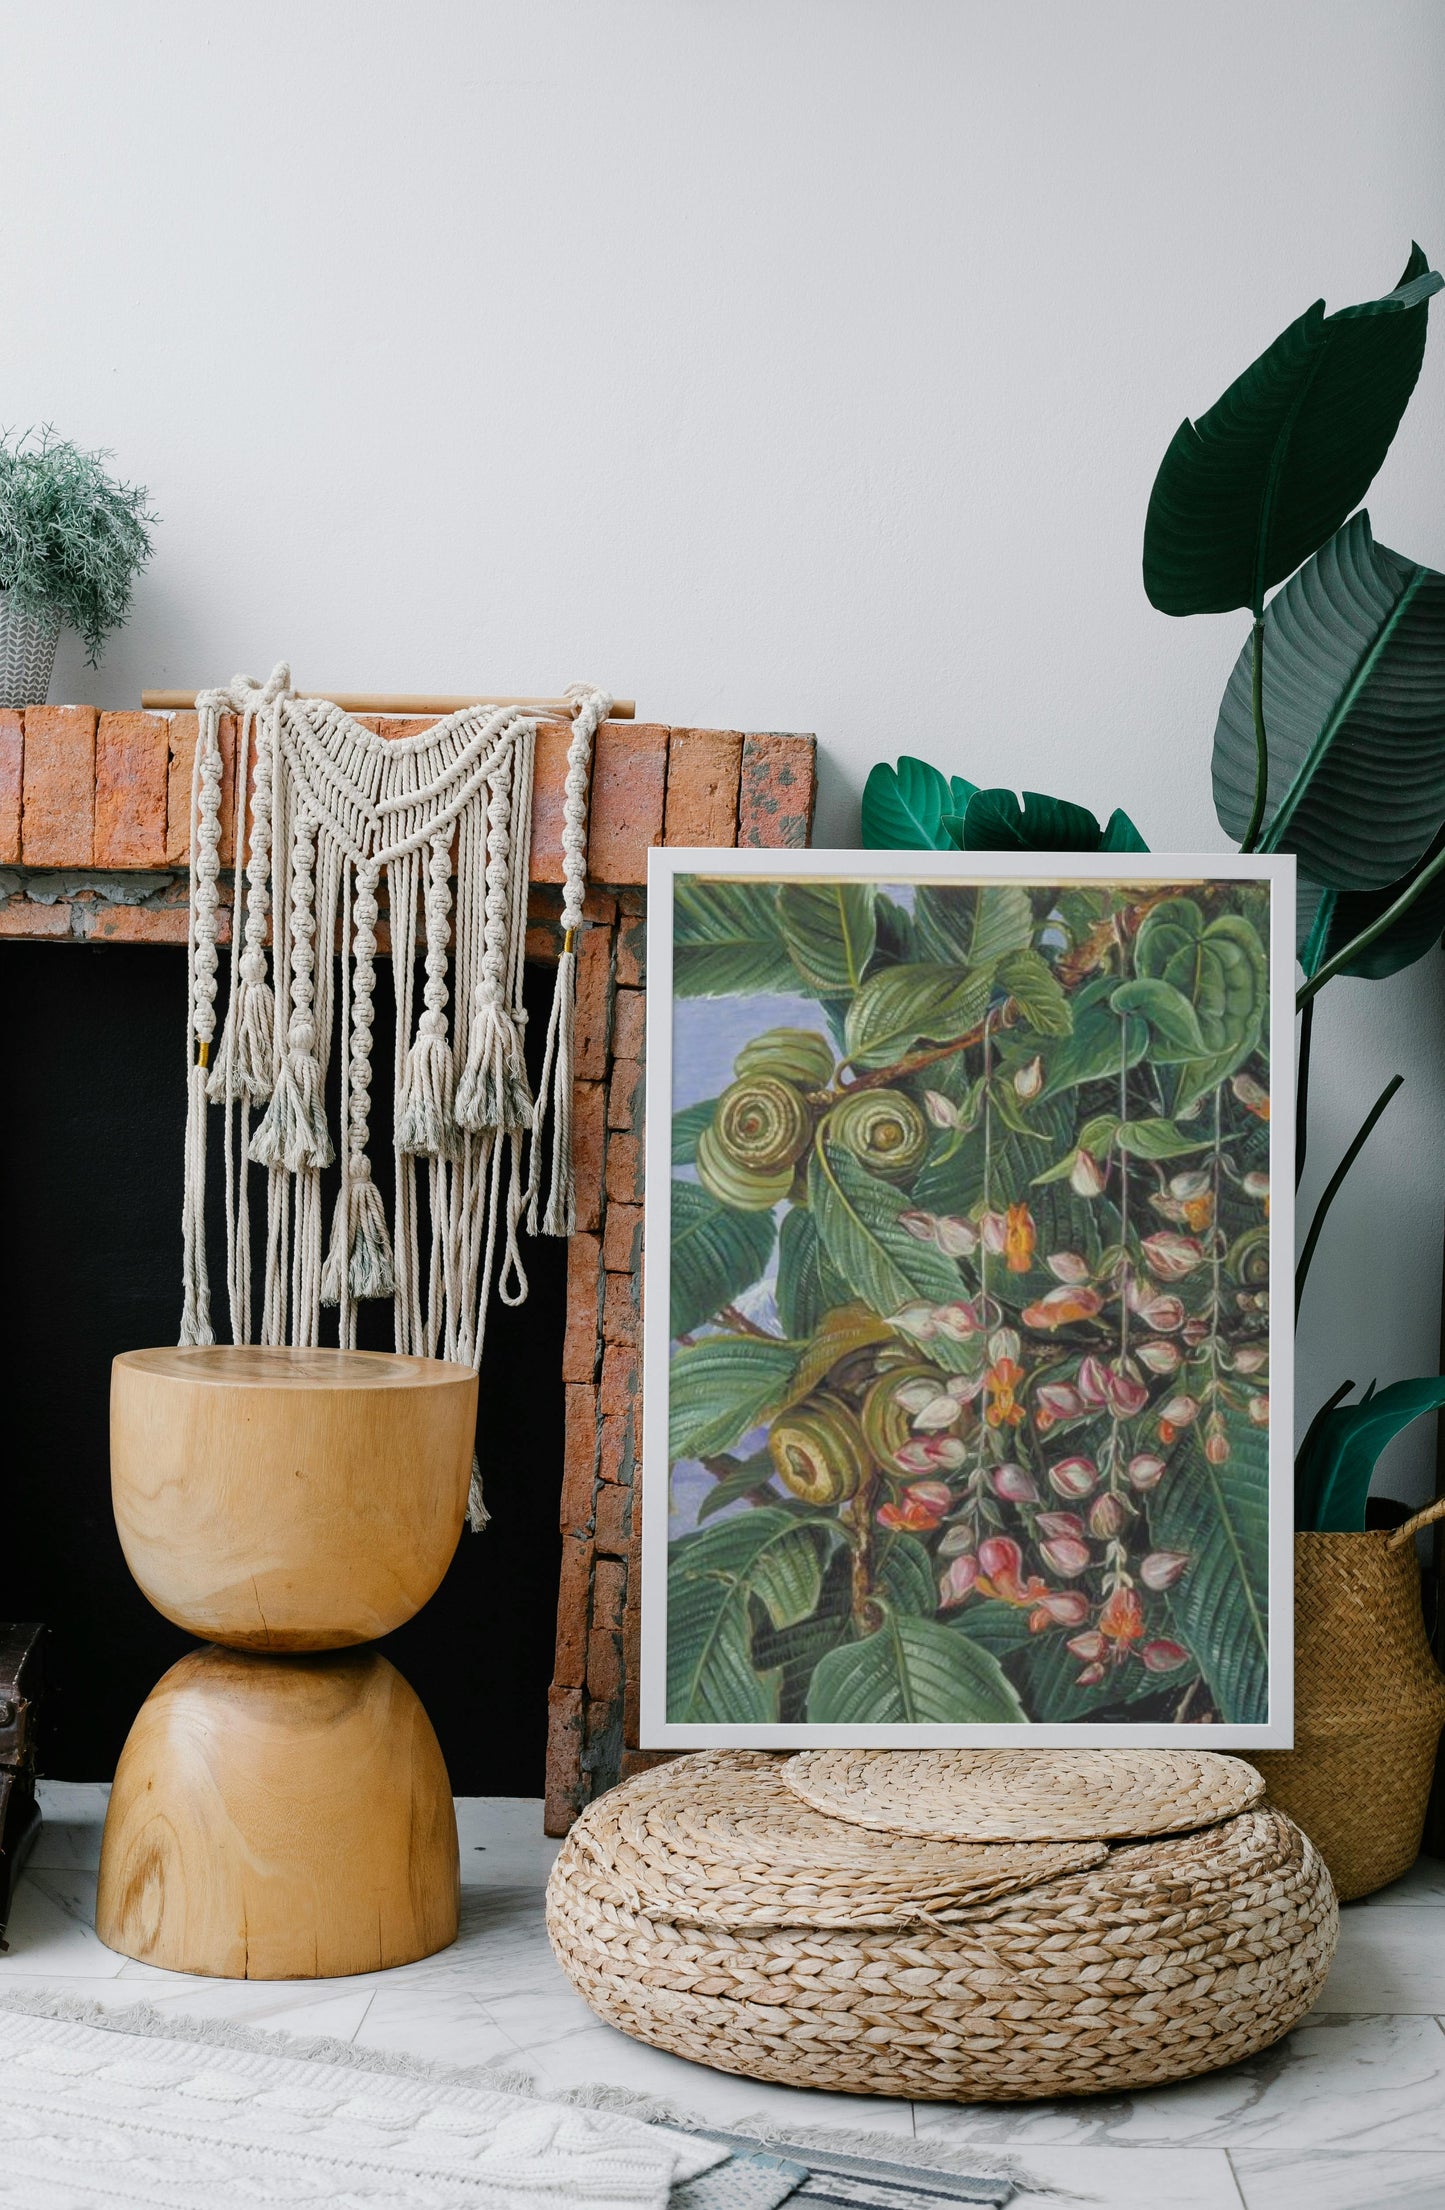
{"x": 923, "y": 1225}
{"x": 1066, "y": 1556}
{"x": 1073, "y": 1477}
{"x": 1160, "y": 1357}
{"x": 1145, "y": 1471}
{"x": 1015, "y": 1484}
{"x": 1162, "y": 1568}
{"x": 1090, "y": 1647}
{"x": 1090, "y": 1677}
{"x": 994, "y": 1229}
{"x": 1062, "y": 1607}
{"x": 1171, "y": 1257}
{"x": 1086, "y": 1176}
{"x": 1180, "y": 1411}
{"x": 1055, "y": 1401}
{"x": 1259, "y": 1411}
{"x": 1108, "y": 1516}
{"x": 1156, "y": 1308}
{"x": 958, "y": 1581}
{"x": 1059, "y": 1523}
{"x": 1163, "y": 1657}
{"x": 941, "y": 1110}
{"x": 930, "y": 1454}
{"x": 955, "y": 1236}
{"x": 1093, "y": 1381}
{"x": 1029, "y": 1079}
{"x": 1067, "y": 1266}
{"x": 1124, "y": 1392}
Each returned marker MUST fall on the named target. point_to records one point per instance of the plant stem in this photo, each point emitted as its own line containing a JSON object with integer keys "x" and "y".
{"x": 1261, "y": 745}
{"x": 1302, "y": 1093}
{"x": 1376, "y": 929}
{"x": 1332, "y": 1188}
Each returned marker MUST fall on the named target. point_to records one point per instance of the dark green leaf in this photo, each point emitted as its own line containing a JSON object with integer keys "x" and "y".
{"x": 995, "y": 821}
{"x": 830, "y": 930}
{"x": 1354, "y": 711}
{"x": 721, "y": 1387}
{"x": 752, "y": 1474}
{"x": 904, "y": 1006}
{"x": 1120, "y": 834}
{"x": 972, "y": 927}
{"x": 1157, "y": 1139}
{"x": 1258, "y": 483}
{"x": 1219, "y": 1517}
{"x": 912, "y": 1672}
{"x": 903, "y": 807}
{"x": 1348, "y": 1444}
{"x": 727, "y": 941}
{"x": 857, "y": 1220}
{"x": 715, "y": 1577}
{"x": 1168, "y": 1012}
{"x": 1036, "y": 990}
{"x": 904, "y": 1574}
{"x": 716, "y": 1254}
{"x": 687, "y": 1126}
{"x": 1102, "y": 1041}
{"x": 802, "y": 1296}
{"x": 1329, "y": 920}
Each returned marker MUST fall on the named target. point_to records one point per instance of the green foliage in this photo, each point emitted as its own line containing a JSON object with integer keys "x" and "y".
{"x": 910, "y": 807}
{"x": 716, "y": 1254}
{"x": 911, "y": 1672}
{"x": 1330, "y": 921}
{"x": 993, "y": 1245}
{"x": 1258, "y": 483}
{"x": 72, "y": 539}
{"x": 1354, "y": 711}
{"x": 1337, "y": 1460}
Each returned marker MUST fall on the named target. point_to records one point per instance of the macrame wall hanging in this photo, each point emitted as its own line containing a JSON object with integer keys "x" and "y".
{"x": 445, "y": 819}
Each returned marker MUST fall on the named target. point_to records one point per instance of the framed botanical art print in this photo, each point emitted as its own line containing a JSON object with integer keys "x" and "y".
{"x": 967, "y": 1412}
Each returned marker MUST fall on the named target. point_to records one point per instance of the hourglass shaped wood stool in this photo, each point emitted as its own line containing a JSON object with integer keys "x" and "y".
{"x": 281, "y": 1809}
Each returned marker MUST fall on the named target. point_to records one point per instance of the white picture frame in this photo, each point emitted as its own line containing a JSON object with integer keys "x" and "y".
{"x": 1266, "y": 1726}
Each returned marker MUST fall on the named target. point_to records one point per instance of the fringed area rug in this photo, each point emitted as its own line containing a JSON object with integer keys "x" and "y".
{"x": 101, "y": 2109}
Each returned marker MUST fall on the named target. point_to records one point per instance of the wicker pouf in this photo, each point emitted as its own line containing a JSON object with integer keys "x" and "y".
{"x": 707, "y": 1909}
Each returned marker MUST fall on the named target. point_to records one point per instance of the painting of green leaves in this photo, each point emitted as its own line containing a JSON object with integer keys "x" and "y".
{"x": 968, "y": 1340}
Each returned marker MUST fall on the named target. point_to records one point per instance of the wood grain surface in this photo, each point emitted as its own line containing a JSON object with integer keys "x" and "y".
{"x": 289, "y": 1500}
{"x": 279, "y": 1818}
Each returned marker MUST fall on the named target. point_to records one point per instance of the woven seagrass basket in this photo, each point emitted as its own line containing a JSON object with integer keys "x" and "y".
{"x": 789, "y": 1946}
{"x": 1369, "y": 1704}
{"x": 27, "y": 653}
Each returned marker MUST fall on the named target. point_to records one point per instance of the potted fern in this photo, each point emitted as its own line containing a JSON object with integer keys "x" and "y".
{"x": 72, "y": 541}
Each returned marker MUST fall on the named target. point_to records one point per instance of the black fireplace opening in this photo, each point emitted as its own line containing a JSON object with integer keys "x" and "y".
{"x": 92, "y": 1111}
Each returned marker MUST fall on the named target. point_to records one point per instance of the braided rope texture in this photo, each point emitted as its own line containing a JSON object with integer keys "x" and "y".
{"x": 1164, "y": 1959}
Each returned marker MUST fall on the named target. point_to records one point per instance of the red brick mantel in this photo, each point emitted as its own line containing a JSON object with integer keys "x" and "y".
{"x": 94, "y": 838}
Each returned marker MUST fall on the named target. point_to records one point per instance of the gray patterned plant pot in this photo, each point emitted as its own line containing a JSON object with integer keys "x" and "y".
{"x": 27, "y": 653}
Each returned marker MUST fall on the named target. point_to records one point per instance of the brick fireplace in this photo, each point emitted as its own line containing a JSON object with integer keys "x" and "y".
{"x": 94, "y": 821}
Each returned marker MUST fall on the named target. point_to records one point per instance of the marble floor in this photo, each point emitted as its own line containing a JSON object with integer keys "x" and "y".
{"x": 1347, "y": 2114}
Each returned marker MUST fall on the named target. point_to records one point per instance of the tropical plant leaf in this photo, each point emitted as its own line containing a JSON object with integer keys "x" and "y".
{"x": 727, "y": 941}
{"x": 716, "y": 1254}
{"x": 972, "y": 928}
{"x": 751, "y": 1475}
{"x": 830, "y": 929}
{"x": 687, "y": 1125}
{"x": 857, "y": 1218}
{"x": 847, "y": 1328}
{"x": 1258, "y": 483}
{"x": 1037, "y": 992}
{"x": 1156, "y": 1139}
{"x": 801, "y": 1294}
{"x": 903, "y": 1573}
{"x": 1218, "y": 1515}
{"x": 1329, "y": 920}
{"x": 721, "y": 1387}
{"x": 1168, "y": 1012}
{"x": 917, "y": 1003}
{"x": 995, "y": 821}
{"x": 903, "y": 807}
{"x": 1102, "y": 1042}
{"x": 1345, "y": 1448}
{"x": 1354, "y": 703}
{"x": 715, "y": 1577}
{"x": 912, "y": 1672}
{"x": 1047, "y": 1673}
{"x": 1222, "y": 971}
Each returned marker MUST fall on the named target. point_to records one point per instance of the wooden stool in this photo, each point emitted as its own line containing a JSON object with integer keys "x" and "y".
{"x": 278, "y": 1814}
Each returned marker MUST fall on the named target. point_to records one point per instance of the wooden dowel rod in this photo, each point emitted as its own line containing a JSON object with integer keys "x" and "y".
{"x": 366, "y": 702}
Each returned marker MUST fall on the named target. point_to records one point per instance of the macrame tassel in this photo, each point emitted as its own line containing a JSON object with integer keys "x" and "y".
{"x": 293, "y": 1133}
{"x": 560, "y": 1216}
{"x": 244, "y": 1069}
{"x": 365, "y": 1247}
{"x": 494, "y": 1092}
{"x": 478, "y": 1516}
{"x": 196, "y": 1289}
{"x": 426, "y": 1118}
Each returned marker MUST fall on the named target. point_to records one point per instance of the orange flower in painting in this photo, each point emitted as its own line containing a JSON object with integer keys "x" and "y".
{"x": 1002, "y": 1380}
{"x": 1019, "y": 1238}
{"x": 1122, "y": 1618}
{"x": 1198, "y": 1212}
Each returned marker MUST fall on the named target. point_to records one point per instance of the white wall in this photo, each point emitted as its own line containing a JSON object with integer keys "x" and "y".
{"x": 795, "y": 364}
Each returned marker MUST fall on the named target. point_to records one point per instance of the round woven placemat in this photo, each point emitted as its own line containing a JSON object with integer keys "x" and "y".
{"x": 1024, "y": 1795}
{"x": 735, "y": 1847}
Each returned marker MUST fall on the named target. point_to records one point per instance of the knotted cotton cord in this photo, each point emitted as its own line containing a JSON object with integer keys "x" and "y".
{"x": 444, "y": 817}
